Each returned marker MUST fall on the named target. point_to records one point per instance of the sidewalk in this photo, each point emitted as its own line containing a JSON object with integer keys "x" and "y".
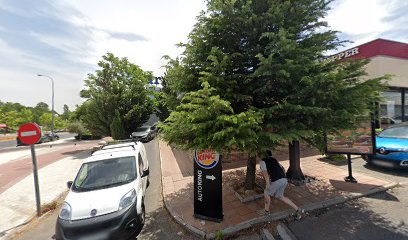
{"x": 327, "y": 189}
{"x": 14, "y": 169}
{"x": 7, "y": 136}
{"x": 17, "y": 201}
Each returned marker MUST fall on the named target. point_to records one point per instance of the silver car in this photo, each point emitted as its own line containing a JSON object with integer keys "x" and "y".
{"x": 144, "y": 133}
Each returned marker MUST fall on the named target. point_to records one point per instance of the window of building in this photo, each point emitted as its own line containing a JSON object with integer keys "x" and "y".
{"x": 391, "y": 108}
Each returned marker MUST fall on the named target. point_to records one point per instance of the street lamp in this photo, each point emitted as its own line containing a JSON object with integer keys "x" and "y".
{"x": 52, "y": 113}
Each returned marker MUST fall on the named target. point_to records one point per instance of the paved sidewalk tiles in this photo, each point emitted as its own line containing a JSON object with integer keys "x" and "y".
{"x": 328, "y": 188}
{"x": 17, "y": 198}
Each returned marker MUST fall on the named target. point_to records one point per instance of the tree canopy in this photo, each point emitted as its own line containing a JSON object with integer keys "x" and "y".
{"x": 117, "y": 86}
{"x": 15, "y": 114}
{"x": 267, "y": 56}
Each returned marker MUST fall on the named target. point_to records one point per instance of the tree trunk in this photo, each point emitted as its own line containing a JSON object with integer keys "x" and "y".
{"x": 250, "y": 173}
{"x": 294, "y": 172}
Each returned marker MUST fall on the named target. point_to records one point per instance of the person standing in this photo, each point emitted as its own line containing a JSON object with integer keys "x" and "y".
{"x": 276, "y": 182}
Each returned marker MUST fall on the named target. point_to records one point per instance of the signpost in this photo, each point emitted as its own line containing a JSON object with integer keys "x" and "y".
{"x": 360, "y": 141}
{"x": 30, "y": 133}
{"x": 208, "y": 186}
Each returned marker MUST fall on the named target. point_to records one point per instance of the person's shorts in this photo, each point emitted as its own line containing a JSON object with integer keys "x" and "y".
{"x": 277, "y": 188}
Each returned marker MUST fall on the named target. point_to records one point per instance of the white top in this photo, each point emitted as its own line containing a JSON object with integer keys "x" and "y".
{"x": 262, "y": 165}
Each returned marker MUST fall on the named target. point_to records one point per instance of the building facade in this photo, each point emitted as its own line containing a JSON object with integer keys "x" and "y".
{"x": 387, "y": 57}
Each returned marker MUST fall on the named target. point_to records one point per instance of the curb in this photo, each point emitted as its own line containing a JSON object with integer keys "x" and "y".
{"x": 195, "y": 231}
{"x": 248, "y": 199}
{"x": 351, "y": 196}
{"x": 266, "y": 235}
{"x": 272, "y": 217}
{"x": 285, "y": 233}
{"x": 7, "y": 139}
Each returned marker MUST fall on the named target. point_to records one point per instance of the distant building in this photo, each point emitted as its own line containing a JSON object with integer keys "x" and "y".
{"x": 387, "y": 57}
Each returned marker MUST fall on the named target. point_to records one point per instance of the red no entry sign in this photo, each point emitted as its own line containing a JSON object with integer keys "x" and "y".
{"x": 29, "y": 133}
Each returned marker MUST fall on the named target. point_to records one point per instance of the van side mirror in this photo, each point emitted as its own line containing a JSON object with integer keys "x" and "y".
{"x": 145, "y": 173}
{"x": 69, "y": 184}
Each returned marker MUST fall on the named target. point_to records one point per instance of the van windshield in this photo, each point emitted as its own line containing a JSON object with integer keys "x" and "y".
{"x": 106, "y": 173}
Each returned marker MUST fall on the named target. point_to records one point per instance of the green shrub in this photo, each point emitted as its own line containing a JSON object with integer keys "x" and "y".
{"x": 117, "y": 128}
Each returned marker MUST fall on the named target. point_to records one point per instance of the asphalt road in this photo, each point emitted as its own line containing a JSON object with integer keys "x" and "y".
{"x": 379, "y": 216}
{"x": 158, "y": 222}
{"x": 12, "y": 143}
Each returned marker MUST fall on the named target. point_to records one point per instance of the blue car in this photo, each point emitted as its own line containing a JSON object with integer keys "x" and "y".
{"x": 391, "y": 148}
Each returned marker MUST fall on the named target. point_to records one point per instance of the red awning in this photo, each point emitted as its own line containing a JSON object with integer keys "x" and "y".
{"x": 3, "y": 125}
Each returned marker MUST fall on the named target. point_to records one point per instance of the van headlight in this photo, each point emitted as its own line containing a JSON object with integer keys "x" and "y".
{"x": 127, "y": 200}
{"x": 66, "y": 211}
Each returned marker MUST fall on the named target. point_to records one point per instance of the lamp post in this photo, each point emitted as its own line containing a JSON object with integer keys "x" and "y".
{"x": 52, "y": 111}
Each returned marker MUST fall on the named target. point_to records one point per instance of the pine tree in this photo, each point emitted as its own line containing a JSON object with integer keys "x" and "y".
{"x": 116, "y": 127}
{"x": 268, "y": 57}
{"x": 117, "y": 86}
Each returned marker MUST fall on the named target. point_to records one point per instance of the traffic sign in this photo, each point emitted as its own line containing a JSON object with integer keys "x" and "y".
{"x": 29, "y": 133}
{"x": 208, "y": 185}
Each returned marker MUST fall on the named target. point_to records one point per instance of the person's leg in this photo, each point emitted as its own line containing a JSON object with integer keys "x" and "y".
{"x": 289, "y": 202}
{"x": 283, "y": 183}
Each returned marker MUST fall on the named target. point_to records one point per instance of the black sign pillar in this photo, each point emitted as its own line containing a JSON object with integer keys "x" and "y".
{"x": 208, "y": 186}
{"x": 350, "y": 177}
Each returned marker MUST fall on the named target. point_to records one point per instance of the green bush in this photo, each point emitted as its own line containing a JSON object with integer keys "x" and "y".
{"x": 336, "y": 157}
{"x": 117, "y": 128}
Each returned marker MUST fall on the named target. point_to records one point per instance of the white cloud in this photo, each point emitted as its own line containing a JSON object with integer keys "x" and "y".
{"x": 364, "y": 20}
{"x": 65, "y": 39}
{"x": 358, "y": 17}
{"x": 162, "y": 23}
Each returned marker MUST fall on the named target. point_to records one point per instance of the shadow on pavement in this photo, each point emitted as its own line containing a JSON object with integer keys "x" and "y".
{"x": 340, "y": 162}
{"x": 384, "y": 196}
{"x": 159, "y": 225}
{"x": 351, "y": 187}
{"x": 78, "y": 154}
{"x": 350, "y": 221}
{"x": 390, "y": 171}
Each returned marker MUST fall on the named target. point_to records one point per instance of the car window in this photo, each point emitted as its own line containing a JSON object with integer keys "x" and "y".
{"x": 141, "y": 165}
{"x": 105, "y": 173}
{"x": 396, "y": 132}
{"x": 142, "y": 129}
{"x": 82, "y": 175}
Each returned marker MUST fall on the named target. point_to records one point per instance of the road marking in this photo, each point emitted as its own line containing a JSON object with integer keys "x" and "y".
{"x": 29, "y": 133}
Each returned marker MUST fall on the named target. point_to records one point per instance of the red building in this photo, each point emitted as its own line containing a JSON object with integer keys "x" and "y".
{"x": 387, "y": 57}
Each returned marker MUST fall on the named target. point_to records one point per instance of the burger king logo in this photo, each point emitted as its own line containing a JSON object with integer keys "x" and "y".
{"x": 206, "y": 159}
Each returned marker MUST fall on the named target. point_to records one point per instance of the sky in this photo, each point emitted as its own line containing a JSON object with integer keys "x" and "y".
{"x": 64, "y": 39}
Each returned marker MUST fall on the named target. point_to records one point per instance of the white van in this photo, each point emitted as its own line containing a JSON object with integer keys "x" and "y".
{"x": 106, "y": 199}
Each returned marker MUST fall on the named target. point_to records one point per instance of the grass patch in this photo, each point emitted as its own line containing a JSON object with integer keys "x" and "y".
{"x": 219, "y": 235}
{"x": 336, "y": 157}
{"x": 49, "y": 207}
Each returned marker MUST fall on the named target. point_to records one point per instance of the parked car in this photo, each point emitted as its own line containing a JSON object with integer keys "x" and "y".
{"x": 144, "y": 133}
{"x": 388, "y": 120}
{"x": 47, "y": 137}
{"x": 391, "y": 147}
{"x": 106, "y": 199}
{"x": 398, "y": 119}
